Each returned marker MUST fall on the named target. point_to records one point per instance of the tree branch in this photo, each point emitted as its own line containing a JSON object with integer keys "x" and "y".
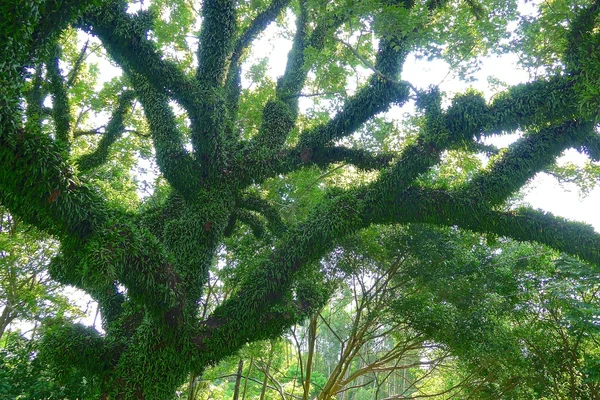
{"x": 364, "y": 105}
{"x": 61, "y": 112}
{"x": 323, "y": 157}
{"x": 258, "y": 25}
{"x": 292, "y": 81}
{"x": 172, "y": 158}
{"x": 366, "y": 62}
{"x": 252, "y": 220}
{"x": 528, "y": 156}
{"x": 124, "y": 37}
{"x": 114, "y": 130}
{"x": 265, "y": 208}
{"x": 35, "y": 97}
{"x": 77, "y": 66}
{"x": 216, "y": 41}
{"x": 440, "y": 207}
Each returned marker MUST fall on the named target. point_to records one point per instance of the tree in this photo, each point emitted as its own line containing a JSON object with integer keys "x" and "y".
{"x": 444, "y": 313}
{"x": 26, "y": 291}
{"x": 220, "y": 146}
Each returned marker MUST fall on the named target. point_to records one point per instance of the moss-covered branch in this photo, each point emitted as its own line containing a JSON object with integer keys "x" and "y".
{"x": 323, "y": 157}
{"x": 258, "y": 25}
{"x": 61, "y": 112}
{"x": 252, "y": 220}
{"x": 173, "y": 159}
{"x": 254, "y": 203}
{"x": 66, "y": 346}
{"x": 38, "y": 185}
{"x": 35, "y": 97}
{"x": 365, "y": 104}
{"x": 217, "y": 35}
{"x": 528, "y": 156}
{"x": 113, "y": 131}
{"x": 536, "y": 103}
{"x": 289, "y": 160}
{"x": 454, "y": 209}
{"x": 580, "y": 30}
{"x": 245, "y": 39}
{"x": 591, "y": 146}
{"x": 124, "y": 37}
{"x": 292, "y": 81}
{"x": 261, "y": 150}
{"x": 77, "y": 66}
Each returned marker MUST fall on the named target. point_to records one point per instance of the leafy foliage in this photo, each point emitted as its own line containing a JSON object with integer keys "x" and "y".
{"x": 237, "y": 153}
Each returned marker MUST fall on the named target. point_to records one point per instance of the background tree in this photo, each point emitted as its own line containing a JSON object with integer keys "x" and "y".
{"x": 220, "y": 145}
{"x": 441, "y": 313}
{"x": 28, "y": 298}
{"x": 27, "y": 294}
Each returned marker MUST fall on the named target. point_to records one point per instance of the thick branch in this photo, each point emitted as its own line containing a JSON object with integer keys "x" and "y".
{"x": 172, "y": 158}
{"x": 216, "y": 41}
{"x": 292, "y": 81}
{"x": 536, "y": 103}
{"x": 591, "y": 147}
{"x": 65, "y": 346}
{"x": 60, "y": 102}
{"x": 252, "y": 220}
{"x": 77, "y": 66}
{"x": 114, "y": 130}
{"x": 364, "y": 105}
{"x": 523, "y": 160}
{"x": 124, "y": 37}
{"x": 277, "y": 122}
{"x": 362, "y": 159}
{"x": 35, "y": 98}
{"x": 266, "y": 209}
{"x": 39, "y": 186}
{"x": 450, "y": 208}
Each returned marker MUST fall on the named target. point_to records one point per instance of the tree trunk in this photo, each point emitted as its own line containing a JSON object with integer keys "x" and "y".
{"x": 238, "y": 380}
{"x": 192, "y": 387}
{"x": 246, "y": 378}
{"x": 312, "y": 337}
{"x": 5, "y": 319}
{"x": 266, "y": 372}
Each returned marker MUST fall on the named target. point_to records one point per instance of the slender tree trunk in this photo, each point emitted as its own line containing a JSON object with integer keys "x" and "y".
{"x": 238, "y": 380}
{"x": 5, "y": 319}
{"x": 266, "y": 372}
{"x": 312, "y": 337}
{"x": 246, "y": 378}
{"x": 192, "y": 387}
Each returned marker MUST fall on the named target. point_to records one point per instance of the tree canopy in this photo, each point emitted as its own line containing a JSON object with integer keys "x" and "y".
{"x": 231, "y": 145}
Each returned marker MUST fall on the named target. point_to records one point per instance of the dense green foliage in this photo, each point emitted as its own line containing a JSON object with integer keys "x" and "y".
{"x": 231, "y": 148}
{"x": 436, "y": 312}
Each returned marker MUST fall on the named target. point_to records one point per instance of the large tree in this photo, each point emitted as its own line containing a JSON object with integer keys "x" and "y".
{"x": 219, "y": 147}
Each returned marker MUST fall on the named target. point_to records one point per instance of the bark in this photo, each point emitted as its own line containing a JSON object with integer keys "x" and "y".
{"x": 312, "y": 337}
{"x": 266, "y": 372}
{"x": 238, "y": 380}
